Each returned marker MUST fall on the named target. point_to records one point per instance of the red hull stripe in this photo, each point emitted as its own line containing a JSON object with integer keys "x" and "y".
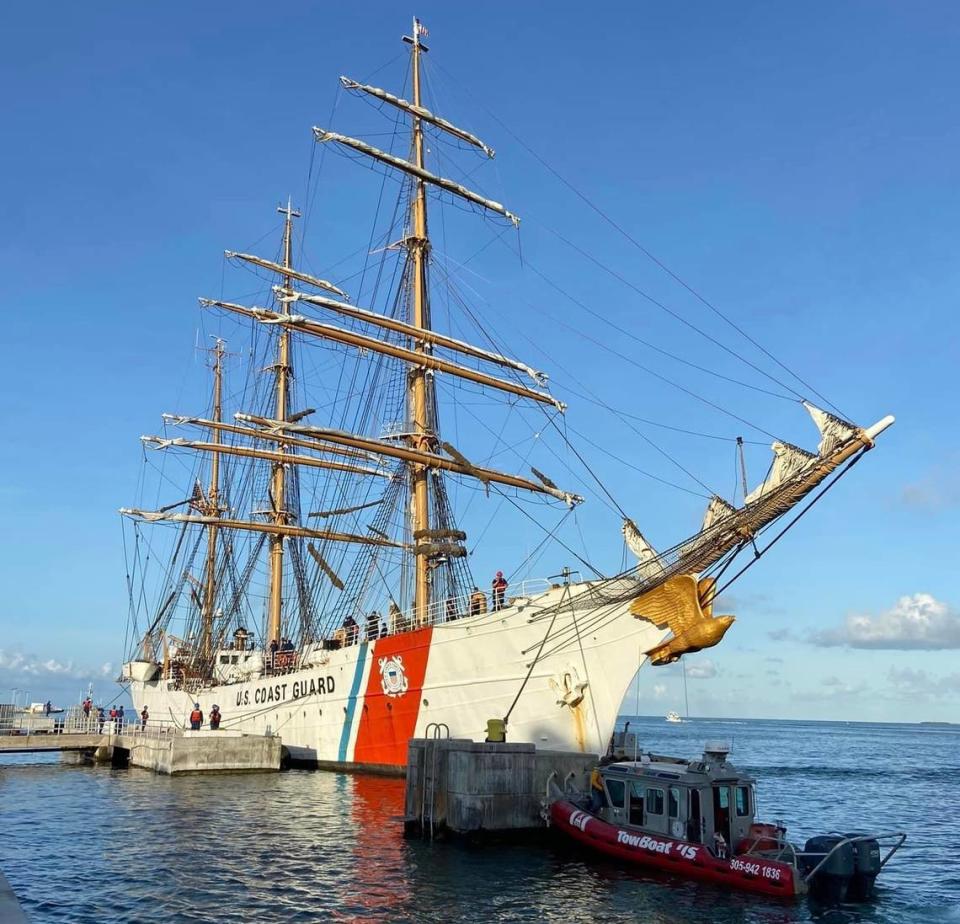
{"x": 392, "y": 699}
{"x": 679, "y": 858}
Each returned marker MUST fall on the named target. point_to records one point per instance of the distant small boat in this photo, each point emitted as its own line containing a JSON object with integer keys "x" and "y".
{"x": 674, "y": 717}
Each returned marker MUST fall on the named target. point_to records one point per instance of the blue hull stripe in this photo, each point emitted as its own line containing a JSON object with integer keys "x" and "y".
{"x": 352, "y": 702}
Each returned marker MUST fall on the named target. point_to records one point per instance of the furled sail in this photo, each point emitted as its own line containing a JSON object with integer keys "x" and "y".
{"x": 787, "y": 461}
{"x": 418, "y": 111}
{"x": 649, "y": 565}
{"x": 716, "y": 510}
{"x": 833, "y": 430}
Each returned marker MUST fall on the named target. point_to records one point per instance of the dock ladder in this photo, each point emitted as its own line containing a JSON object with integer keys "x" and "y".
{"x": 434, "y": 734}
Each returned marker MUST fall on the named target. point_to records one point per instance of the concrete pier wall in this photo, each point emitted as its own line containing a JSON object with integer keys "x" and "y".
{"x": 183, "y": 752}
{"x": 467, "y": 787}
{"x": 195, "y": 752}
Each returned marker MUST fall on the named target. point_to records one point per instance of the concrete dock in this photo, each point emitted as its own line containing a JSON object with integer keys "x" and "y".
{"x": 163, "y": 750}
{"x": 462, "y": 787}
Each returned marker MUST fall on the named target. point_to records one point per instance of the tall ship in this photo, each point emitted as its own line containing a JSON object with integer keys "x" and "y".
{"x": 308, "y": 571}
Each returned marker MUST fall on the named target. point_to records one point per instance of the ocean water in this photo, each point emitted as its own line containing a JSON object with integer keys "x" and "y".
{"x": 90, "y": 844}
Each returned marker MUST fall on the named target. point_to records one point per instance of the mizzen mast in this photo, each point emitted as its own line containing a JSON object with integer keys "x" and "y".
{"x": 212, "y": 510}
{"x": 283, "y": 373}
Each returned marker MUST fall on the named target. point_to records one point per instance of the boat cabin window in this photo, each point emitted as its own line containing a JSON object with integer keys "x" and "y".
{"x": 616, "y": 790}
{"x": 743, "y": 800}
{"x": 655, "y": 801}
{"x": 224, "y": 659}
{"x": 673, "y": 800}
{"x": 636, "y": 803}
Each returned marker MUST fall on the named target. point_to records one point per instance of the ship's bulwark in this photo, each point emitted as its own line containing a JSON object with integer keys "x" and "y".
{"x": 360, "y": 705}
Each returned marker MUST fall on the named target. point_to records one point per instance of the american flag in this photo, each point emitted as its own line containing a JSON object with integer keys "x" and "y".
{"x": 421, "y": 29}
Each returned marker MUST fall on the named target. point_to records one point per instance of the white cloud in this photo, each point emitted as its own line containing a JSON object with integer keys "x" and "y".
{"x": 937, "y": 490}
{"x": 917, "y": 622}
{"x": 702, "y": 670}
{"x": 918, "y": 684}
{"x": 16, "y": 664}
{"x": 659, "y": 690}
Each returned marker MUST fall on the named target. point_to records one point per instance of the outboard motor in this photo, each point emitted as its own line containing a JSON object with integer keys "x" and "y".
{"x": 832, "y": 880}
{"x": 866, "y": 868}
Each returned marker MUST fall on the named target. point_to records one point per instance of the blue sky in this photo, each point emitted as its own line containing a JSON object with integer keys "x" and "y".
{"x": 798, "y": 165}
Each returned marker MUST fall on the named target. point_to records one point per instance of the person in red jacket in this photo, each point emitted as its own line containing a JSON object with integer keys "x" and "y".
{"x": 215, "y": 717}
{"x": 196, "y": 717}
{"x": 499, "y": 590}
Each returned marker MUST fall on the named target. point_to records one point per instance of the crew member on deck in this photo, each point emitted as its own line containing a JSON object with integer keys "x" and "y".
{"x": 350, "y": 629}
{"x": 478, "y": 602}
{"x": 395, "y": 618}
{"x": 373, "y": 626}
{"x": 144, "y": 715}
{"x": 215, "y": 718}
{"x": 499, "y": 590}
{"x": 196, "y": 717}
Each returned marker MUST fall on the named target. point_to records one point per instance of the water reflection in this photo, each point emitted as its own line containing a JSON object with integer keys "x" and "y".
{"x": 97, "y": 846}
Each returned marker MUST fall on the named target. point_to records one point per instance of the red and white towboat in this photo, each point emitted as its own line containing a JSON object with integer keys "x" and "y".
{"x": 695, "y": 820}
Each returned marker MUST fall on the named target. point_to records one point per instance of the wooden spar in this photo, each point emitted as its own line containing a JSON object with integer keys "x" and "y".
{"x": 285, "y": 530}
{"x": 427, "y": 336}
{"x": 415, "y": 170}
{"x": 418, "y": 457}
{"x": 287, "y": 271}
{"x": 708, "y": 547}
{"x": 423, "y": 439}
{"x": 178, "y": 420}
{"x": 278, "y": 458}
{"x": 418, "y": 111}
{"x": 213, "y": 510}
{"x": 363, "y": 342}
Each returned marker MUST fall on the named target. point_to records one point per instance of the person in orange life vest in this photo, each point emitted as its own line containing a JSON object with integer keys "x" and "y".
{"x": 196, "y": 718}
{"x": 596, "y": 791}
{"x": 499, "y": 589}
{"x": 215, "y": 717}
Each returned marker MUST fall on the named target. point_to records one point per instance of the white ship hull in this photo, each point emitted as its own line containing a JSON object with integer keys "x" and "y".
{"x": 358, "y": 706}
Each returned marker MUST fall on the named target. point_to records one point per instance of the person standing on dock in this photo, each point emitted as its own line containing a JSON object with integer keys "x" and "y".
{"x": 144, "y": 715}
{"x": 196, "y": 717}
{"x": 499, "y": 590}
{"x": 215, "y": 718}
{"x": 100, "y": 720}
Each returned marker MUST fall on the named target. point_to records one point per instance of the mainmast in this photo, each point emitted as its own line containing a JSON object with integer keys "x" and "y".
{"x": 212, "y": 510}
{"x": 283, "y": 373}
{"x": 421, "y": 435}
